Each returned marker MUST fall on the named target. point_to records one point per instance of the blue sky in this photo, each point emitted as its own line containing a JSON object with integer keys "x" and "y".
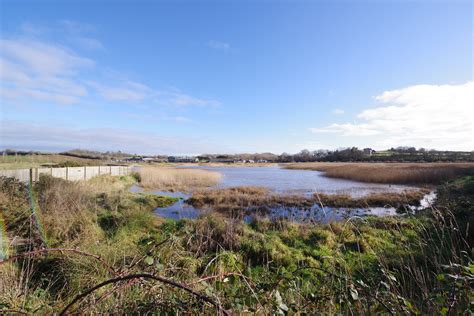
{"x": 186, "y": 77}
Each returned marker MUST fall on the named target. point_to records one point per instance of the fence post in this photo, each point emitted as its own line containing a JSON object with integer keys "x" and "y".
{"x": 31, "y": 175}
{"x": 66, "y": 173}
{"x": 85, "y": 171}
{"x": 36, "y": 177}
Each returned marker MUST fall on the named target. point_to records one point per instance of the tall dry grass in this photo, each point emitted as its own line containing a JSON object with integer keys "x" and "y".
{"x": 172, "y": 179}
{"x": 396, "y": 173}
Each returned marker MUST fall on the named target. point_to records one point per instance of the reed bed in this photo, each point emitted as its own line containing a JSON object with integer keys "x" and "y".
{"x": 174, "y": 179}
{"x": 395, "y": 173}
{"x": 237, "y": 200}
{"x": 230, "y": 199}
{"x": 387, "y": 199}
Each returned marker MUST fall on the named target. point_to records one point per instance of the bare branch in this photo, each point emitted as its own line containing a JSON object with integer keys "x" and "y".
{"x": 146, "y": 276}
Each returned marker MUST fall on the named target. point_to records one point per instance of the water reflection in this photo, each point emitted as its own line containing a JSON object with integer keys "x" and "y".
{"x": 315, "y": 213}
{"x": 292, "y": 181}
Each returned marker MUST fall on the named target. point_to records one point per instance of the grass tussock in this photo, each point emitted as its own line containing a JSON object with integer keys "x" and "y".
{"x": 395, "y": 173}
{"x": 174, "y": 179}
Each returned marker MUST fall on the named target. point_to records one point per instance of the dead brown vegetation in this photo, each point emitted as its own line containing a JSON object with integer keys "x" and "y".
{"x": 396, "y": 173}
{"x": 175, "y": 179}
{"x": 235, "y": 201}
{"x": 388, "y": 199}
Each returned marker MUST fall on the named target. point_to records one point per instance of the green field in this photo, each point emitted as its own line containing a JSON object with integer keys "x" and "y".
{"x": 35, "y": 161}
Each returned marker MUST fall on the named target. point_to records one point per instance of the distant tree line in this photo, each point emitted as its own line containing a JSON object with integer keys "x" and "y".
{"x": 398, "y": 154}
{"x": 90, "y": 154}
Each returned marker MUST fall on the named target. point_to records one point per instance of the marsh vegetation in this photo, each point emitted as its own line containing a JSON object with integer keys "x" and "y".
{"x": 397, "y": 173}
{"x": 176, "y": 179}
{"x": 95, "y": 247}
{"x": 233, "y": 200}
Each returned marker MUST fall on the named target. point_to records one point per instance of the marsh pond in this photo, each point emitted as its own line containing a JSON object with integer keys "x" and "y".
{"x": 288, "y": 182}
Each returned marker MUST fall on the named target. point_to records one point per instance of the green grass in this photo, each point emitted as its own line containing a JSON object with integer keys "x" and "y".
{"x": 390, "y": 265}
{"x": 35, "y": 161}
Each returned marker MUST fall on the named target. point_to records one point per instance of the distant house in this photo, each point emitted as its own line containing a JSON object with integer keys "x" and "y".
{"x": 182, "y": 159}
{"x": 132, "y": 159}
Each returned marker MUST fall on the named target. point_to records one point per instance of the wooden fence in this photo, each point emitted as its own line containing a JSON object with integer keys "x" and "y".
{"x": 67, "y": 173}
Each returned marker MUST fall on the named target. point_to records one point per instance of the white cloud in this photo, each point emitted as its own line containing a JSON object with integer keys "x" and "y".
{"x": 35, "y": 70}
{"x": 30, "y": 69}
{"x": 218, "y": 45}
{"x": 129, "y": 91}
{"x": 338, "y": 112}
{"x": 432, "y": 116}
{"x": 32, "y": 136}
{"x": 41, "y": 58}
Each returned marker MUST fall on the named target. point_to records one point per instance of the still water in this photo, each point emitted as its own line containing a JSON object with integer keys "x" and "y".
{"x": 296, "y": 181}
{"x": 304, "y": 182}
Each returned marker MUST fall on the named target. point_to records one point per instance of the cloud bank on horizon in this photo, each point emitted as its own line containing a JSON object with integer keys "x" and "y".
{"x": 429, "y": 116}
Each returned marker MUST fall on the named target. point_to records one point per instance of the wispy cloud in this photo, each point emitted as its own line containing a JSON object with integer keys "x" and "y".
{"x": 42, "y": 58}
{"x": 125, "y": 91}
{"x": 130, "y": 91}
{"x": 80, "y": 35}
{"x": 29, "y": 135}
{"x": 434, "y": 116}
{"x": 31, "y": 69}
{"x": 181, "y": 99}
{"x": 218, "y": 45}
{"x": 337, "y": 111}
